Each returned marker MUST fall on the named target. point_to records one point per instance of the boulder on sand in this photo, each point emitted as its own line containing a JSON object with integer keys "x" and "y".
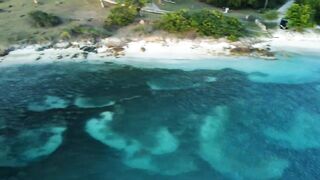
{"x": 5, "y": 51}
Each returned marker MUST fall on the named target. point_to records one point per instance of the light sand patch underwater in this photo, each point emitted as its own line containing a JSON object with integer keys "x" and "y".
{"x": 210, "y": 79}
{"x": 302, "y": 133}
{"x": 138, "y": 154}
{"x": 50, "y": 102}
{"x": 285, "y": 70}
{"x": 93, "y": 102}
{"x": 172, "y": 83}
{"x": 216, "y": 148}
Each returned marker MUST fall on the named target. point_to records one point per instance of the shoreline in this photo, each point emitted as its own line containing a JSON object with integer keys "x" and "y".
{"x": 156, "y": 47}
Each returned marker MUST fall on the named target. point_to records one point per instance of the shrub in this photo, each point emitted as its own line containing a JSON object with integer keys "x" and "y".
{"x": 300, "y": 16}
{"x": 271, "y": 14}
{"x": 205, "y": 22}
{"x": 216, "y": 24}
{"x": 179, "y": 21}
{"x": 121, "y": 16}
{"x": 65, "y": 35}
{"x": 43, "y": 19}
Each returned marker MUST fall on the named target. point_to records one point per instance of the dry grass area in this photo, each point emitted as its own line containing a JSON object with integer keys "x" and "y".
{"x": 15, "y": 24}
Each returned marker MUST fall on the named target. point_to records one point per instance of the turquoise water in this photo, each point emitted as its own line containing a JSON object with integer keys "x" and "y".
{"x": 202, "y": 119}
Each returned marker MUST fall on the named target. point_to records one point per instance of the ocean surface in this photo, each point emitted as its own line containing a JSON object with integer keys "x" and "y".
{"x": 159, "y": 119}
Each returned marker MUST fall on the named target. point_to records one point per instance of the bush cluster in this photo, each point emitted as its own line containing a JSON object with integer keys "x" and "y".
{"x": 121, "y": 16}
{"x": 43, "y": 19}
{"x": 205, "y": 22}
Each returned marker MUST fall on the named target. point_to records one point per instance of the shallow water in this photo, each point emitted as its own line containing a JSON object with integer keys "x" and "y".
{"x": 225, "y": 120}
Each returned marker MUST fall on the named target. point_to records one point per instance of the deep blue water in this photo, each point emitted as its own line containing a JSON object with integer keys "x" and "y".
{"x": 80, "y": 121}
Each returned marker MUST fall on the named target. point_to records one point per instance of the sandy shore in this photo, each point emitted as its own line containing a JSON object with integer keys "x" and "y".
{"x": 292, "y": 42}
{"x": 113, "y": 49}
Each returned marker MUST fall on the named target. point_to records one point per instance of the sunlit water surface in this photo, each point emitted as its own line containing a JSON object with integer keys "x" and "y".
{"x": 205, "y": 120}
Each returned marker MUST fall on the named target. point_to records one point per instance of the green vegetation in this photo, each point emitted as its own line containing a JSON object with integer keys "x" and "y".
{"x": 205, "y": 22}
{"x": 138, "y": 3}
{"x": 87, "y": 31}
{"x": 300, "y": 16}
{"x": 43, "y": 19}
{"x": 245, "y": 3}
{"x": 175, "y": 22}
{"x": 315, "y": 6}
{"x": 121, "y": 16}
{"x": 271, "y": 14}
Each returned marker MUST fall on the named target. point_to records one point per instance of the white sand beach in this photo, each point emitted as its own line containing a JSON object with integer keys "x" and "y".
{"x": 160, "y": 48}
{"x": 292, "y": 41}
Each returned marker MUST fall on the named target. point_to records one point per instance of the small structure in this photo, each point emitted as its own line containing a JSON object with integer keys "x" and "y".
{"x": 169, "y": 1}
{"x": 153, "y": 8}
{"x": 283, "y": 24}
{"x": 226, "y": 10}
{"x": 141, "y": 22}
{"x": 108, "y": 2}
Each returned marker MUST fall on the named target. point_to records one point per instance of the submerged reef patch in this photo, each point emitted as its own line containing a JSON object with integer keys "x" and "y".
{"x": 138, "y": 154}
{"x": 217, "y": 149}
{"x": 50, "y": 102}
{"x": 29, "y": 145}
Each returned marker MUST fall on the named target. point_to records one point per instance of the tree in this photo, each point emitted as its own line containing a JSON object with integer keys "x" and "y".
{"x": 300, "y": 16}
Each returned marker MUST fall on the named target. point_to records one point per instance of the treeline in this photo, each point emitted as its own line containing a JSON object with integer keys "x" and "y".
{"x": 238, "y": 4}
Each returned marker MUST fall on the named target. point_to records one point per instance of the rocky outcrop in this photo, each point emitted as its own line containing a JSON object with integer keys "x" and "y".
{"x": 5, "y": 51}
{"x": 89, "y": 49}
{"x": 253, "y": 52}
{"x": 116, "y": 50}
